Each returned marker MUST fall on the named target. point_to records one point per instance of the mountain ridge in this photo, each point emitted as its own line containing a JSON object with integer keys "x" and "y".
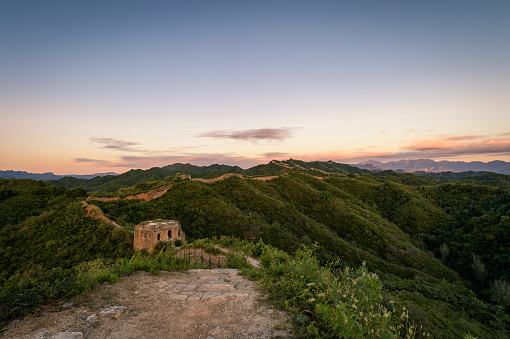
{"x": 428, "y": 165}
{"x": 324, "y": 167}
{"x": 11, "y": 174}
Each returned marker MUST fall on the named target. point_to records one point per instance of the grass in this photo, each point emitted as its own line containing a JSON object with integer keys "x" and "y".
{"x": 323, "y": 301}
{"x": 326, "y": 302}
{"x": 26, "y": 296}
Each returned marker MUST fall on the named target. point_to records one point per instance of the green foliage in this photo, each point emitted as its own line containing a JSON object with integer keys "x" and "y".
{"x": 479, "y": 225}
{"x": 405, "y": 178}
{"x": 207, "y": 245}
{"x": 141, "y": 180}
{"x": 17, "y": 299}
{"x": 323, "y": 167}
{"x": 135, "y": 181}
{"x": 399, "y": 223}
{"x": 473, "y": 178}
{"x": 237, "y": 260}
{"x": 445, "y": 310}
{"x": 335, "y": 303}
{"x": 23, "y": 198}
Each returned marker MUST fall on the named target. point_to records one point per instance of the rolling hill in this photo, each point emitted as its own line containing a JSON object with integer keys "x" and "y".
{"x": 418, "y": 233}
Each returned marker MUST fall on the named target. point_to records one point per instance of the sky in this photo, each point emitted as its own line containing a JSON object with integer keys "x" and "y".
{"x": 98, "y": 86}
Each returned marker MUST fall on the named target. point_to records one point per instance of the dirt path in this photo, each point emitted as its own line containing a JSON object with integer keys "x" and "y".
{"x": 209, "y": 304}
{"x": 252, "y": 261}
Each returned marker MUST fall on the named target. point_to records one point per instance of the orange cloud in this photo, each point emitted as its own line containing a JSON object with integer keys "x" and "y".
{"x": 461, "y": 145}
{"x": 447, "y": 147}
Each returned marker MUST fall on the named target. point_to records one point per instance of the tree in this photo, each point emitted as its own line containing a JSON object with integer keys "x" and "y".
{"x": 500, "y": 292}
{"x": 479, "y": 268}
{"x": 444, "y": 252}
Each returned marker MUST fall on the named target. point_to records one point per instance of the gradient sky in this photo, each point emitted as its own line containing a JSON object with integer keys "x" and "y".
{"x": 97, "y": 86}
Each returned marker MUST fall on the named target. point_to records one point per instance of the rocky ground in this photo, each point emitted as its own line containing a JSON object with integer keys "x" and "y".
{"x": 216, "y": 303}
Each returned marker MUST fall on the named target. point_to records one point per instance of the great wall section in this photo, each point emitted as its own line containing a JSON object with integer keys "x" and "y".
{"x": 96, "y": 213}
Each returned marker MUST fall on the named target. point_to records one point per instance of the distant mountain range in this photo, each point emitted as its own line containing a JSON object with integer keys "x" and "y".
{"x": 413, "y": 166}
{"x": 47, "y": 176}
{"x": 427, "y": 165}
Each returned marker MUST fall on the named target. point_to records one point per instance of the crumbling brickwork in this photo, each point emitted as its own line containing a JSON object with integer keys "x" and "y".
{"x": 149, "y": 233}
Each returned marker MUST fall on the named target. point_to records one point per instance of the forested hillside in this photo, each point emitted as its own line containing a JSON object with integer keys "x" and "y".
{"x": 440, "y": 247}
{"x": 110, "y": 184}
{"x": 44, "y": 235}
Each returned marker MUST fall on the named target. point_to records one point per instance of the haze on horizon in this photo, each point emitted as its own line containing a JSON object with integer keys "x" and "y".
{"x": 99, "y": 86}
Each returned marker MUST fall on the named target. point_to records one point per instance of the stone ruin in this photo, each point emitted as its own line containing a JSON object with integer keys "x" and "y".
{"x": 149, "y": 233}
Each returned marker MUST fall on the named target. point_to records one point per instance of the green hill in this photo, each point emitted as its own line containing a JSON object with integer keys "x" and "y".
{"x": 419, "y": 234}
{"x": 476, "y": 178}
{"x": 324, "y": 167}
{"x": 110, "y": 184}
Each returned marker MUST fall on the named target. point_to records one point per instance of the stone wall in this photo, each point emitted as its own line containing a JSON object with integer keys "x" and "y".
{"x": 149, "y": 233}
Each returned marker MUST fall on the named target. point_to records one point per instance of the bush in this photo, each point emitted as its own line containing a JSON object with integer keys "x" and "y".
{"x": 237, "y": 260}
{"x": 330, "y": 303}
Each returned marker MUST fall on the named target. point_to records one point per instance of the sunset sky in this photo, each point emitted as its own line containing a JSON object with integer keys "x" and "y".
{"x": 97, "y": 86}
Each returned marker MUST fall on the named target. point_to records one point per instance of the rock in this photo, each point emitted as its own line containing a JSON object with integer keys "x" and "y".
{"x": 67, "y": 305}
{"x": 217, "y": 330}
{"x": 91, "y": 319}
{"x": 218, "y": 288}
{"x": 225, "y": 270}
{"x": 68, "y": 335}
{"x": 112, "y": 311}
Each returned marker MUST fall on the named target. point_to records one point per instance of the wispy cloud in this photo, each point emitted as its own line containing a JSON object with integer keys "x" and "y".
{"x": 145, "y": 158}
{"x": 365, "y": 148}
{"x": 115, "y": 144}
{"x": 88, "y": 160}
{"x": 276, "y": 155}
{"x": 416, "y": 130}
{"x": 268, "y": 134}
{"x": 434, "y": 148}
{"x": 443, "y": 147}
{"x": 465, "y": 137}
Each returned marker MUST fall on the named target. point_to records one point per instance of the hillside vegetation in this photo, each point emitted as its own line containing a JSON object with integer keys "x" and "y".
{"x": 439, "y": 247}
{"x": 147, "y": 179}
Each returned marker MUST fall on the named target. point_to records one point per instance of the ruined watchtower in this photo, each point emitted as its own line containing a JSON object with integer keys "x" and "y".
{"x": 149, "y": 233}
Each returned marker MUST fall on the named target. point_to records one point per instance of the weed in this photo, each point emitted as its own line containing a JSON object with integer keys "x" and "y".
{"x": 330, "y": 303}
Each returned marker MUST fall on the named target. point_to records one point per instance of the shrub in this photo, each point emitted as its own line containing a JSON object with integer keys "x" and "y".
{"x": 236, "y": 260}
{"x": 500, "y": 292}
{"x": 330, "y": 303}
